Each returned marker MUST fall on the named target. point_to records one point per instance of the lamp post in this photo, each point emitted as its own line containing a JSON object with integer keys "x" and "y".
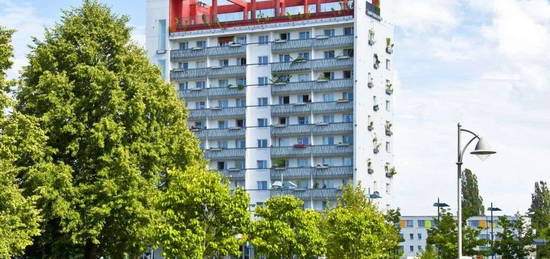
{"x": 482, "y": 150}
{"x": 439, "y": 205}
{"x": 492, "y": 209}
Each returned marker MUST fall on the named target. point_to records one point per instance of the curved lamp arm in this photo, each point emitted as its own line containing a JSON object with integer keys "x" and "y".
{"x": 467, "y": 144}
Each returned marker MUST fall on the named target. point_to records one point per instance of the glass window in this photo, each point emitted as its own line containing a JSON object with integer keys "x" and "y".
{"x": 240, "y": 143}
{"x": 410, "y": 223}
{"x": 329, "y": 32}
{"x": 239, "y": 164}
{"x": 348, "y": 31}
{"x": 262, "y": 143}
{"x": 304, "y": 55}
{"x": 388, "y": 65}
{"x": 201, "y": 44}
{"x": 223, "y": 103}
{"x": 347, "y": 74}
{"x": 328, "y": 140}
{"x": 162, "y": 67}
{"x": 223, "y": 83}
{"x": 328, "y": 161}
{"x": 419, "y": 236}
{"x": 241, "y": 81}
{"x": 347, "y": 139}
{"x": 388, "y": 105}
{"x": 328, "y": 97}
{"x": 184, "y": 45}
{"x": 262, "y": 80}
{"x": 241, "y": 61}
{"x": 348, "y": 118}
{"x": 421, "y": 223}
{"x": 264, "y": 39}
{"x": 284, "y": 58}
{"x": 329, "y": 54}
{"x": 200, "y": 105}
{"x": 304, "y": 35}
{"x": 262, "y": 101}
{"x": 347, "y": 96}
{"x": 222, "y": 144}
{"x": 303, "y": 120}
{"x": 162, "y": 36}
{"x": 262, "y": 185}
{"x": 183, "y": 65}
{"x": 200, "y": 64}
{"x": 303, "y": 162}
{"x": 329, "y": 118}
{"x": 222, "y": 124}
{"x": 239, "y": 123}
{"x": 224, "y": 62}
{"x": 262, "y": 122}
{"x": 303, "y": 77}
{"x": 411, "y": 236}
{"x": 303, "y": 140}
{"x": 348, "y": 161}
{"x": 261, "y": 164}
{"x": 183, "y": 86}
{"x": 262, "y": 60}
{"x": 240, "y": 102}
{"x": 241, "y": 40}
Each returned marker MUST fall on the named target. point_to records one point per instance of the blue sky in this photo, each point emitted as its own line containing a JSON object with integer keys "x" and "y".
{"x": 485, "y": 63}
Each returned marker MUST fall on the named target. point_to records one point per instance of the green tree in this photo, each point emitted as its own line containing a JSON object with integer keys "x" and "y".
{"x": 539, "y": 212}
{"x": 516, "y": 238}
{"x": 356, "y": 229}
{"x": 19, "y": 218}
{"x": 114, "y": 126}
{"x": 393, "y": 216}
{"x": 443, "y": 235}
{"x": 429, "y": 253}
{"x": 284, "y": 230}
{"x": 472, "y": 202}
{"x": 201, "y": 216}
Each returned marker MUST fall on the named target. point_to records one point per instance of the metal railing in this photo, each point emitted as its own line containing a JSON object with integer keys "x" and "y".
{"x": 220, "y": 133}
{"x": 341, "y": 41}
{"x": 213, "y": 72}
{"x": 198, "y": 93}
{"x": 229, "y": 112}
{"x": 317, "y": 150}
{"x": 317, "y": 107}
{"x": 229, "y": 153}
{"x": 308, "y": 129}
{"x": 310, "y": 194}
{"x": 217, "y": 51}
{"x": 309, "y": 86}
{"x": 311, "y": 172}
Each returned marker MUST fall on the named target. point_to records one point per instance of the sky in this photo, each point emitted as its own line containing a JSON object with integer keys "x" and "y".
{"x": 484, "y": 63}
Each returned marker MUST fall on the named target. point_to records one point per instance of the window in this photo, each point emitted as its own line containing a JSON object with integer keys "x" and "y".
{"x": 303, "y": 120}
{"x": 303, "y": 162}
{"x": 419, "y": 236}
{"x": 200, "y": 105}
{"x": 222, "y": 144}
{"x": 283, "y": 120}
{"x": 241, "y": 81}
{"x": 223, "y": 83}
{"x": 305, "y": 99}
{"x": 420, "y": 248}
{"x": 347, "y": 139}
{"x": 261, "y": 164}
{"x": 239, "y": 123}
{"x": 239, "y": 164}
{"x": 183, "y": 65}
{"x": 303, "y": 140}
{"x": 162, "y": 67}
{"x": 347, "y": 117}
{"x": 262, "y": 80}
{"x": 328, "y": 162}
{"x": 162, "y": 36}
{"x": 222, "y": 124}
{"x": 241, "y": 40}
{"x": 348, "y": 161}
{"x": 284, "y": 99}
{"x": 348, "y": 52}
{"x": 328, "y": 140}
{"x": 347, "y": 96}
{"x": 410, "y": 223}
{"x": 329, "y": 32}
{"x": 388, "y": 65}
{"x": 347, "y": 74}
{"x": 303, "y": 35}
{"x": 262, "y": 101}
{"x": 223, "y": 103}
{"x": 304, "y": 55}
{"x": 221, "y": 165}
{"x": 224, "y": 62}
{"x": 241, "y": 61}
{"x": 183, "y": 86}
{"x": 348, "y": 31}
{"x": 411, "y": 235}
{"x": 200, "y": 84}
{"x": 329, "y": 118}
{"x": 284, "y": 36}
{"x": 262, "y": 185}
{"x": 328, "y": 97}
{"x": 421, "y": 223}
{"x": 262, "y": 143}
{"x": 264, "y": 39}
{"x": 240, "y": 102}
{"x": 328, "y": 75}
{"x": 388, "y": 147}
{"x": 303, "y": 77}
{"x": 329, "y": 54}
{"x": 388, "y": 105}
{"x": 262, "y": 122}
{"x": 184, "y": 45}
{"x": 284, "y": 58}
{"x": 262, "y": 60}
{"x": 200, "y": 64}
{"x": 240, "y": 143}
{"x": 201, "y": 44}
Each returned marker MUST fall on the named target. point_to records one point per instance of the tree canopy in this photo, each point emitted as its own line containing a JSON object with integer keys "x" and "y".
{"x": 472, "y": 202}
{"x": 114, "y": 128}
{"x": 516, "y": 238}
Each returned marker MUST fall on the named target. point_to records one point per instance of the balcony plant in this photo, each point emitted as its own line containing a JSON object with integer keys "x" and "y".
{"x": 298, "y": 60}
{"x": 369, "y": 167}
{"x": 371, "y": 125}
{"x": 376, "y": 61}
{"x": 376, "y": 107}
{"x": 371, "y": 37}
{"x": 389, "y": 88}
{"x": 241, "y": 86}
{"x": 389, "y": 46}
{"x": 322, "y": 79}
{"x": 388, "y": 129}
{"x": 376, "y": 148}
{"x": 371, "y": 82}
{"x": 279, "y": 163}
{"x": 391, "y": 172}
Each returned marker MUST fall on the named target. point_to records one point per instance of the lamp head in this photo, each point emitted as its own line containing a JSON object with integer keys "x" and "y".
{"x": 494, "y": 209}
{"x": 483, "y": 150}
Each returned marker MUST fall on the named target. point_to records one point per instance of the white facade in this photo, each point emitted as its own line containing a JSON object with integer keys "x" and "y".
{"x": 312, "y": 132}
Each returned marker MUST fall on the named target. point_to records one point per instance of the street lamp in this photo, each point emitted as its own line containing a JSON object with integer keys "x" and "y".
{"x": 440, "y": 205}
{"x": 492, "y": 209}
{"x": 482, "y": 150}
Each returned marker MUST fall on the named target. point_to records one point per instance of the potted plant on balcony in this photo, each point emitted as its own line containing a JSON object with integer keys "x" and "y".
{"x": 299, "y": 145}
{"x": 369, "y": 167}
{"x": 371, "y": 37}
{"x": 298, "y": 60}
{"x": 371, "y": 126}
{"x": 391, "y": 172}
{"x": 322, "y": 79}
{"x": 376, "y": 144}
{"x": 279, "y": 163}
{"x": 376, "y": 61}
{"x": 371, "y": 82}
{"x": 389, "y": 46}
{"x": 388, "y": 128}
{"x": 389, "y": 88}
{"x": 376, "y": 107}
{"x": 241, "y": 86}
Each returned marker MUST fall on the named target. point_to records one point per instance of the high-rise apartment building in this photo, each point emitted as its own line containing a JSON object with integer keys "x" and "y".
{"x": 286, "y": 96}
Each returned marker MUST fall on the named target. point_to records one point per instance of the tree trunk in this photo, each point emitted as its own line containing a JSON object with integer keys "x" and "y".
{"x": 90, "y": 250}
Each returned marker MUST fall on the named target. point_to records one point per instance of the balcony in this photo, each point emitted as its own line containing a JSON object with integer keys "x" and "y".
{"x": 312, "y": 86}
{"x": 224, "y": 153}
{"x": 199, "y": 93}
{"x": 228, "y": 71}
{"x": 233, "y": 174}
{"x": 310, "y": 194}
{"x": 292, "y": 45}
{"x": 334, "y": 42}
{"x": 315, "y": 129}
{"x": 218, "y": 51}
{"x": 307, "y": 151}
{"x": 317, "y": 107}
{"x": 180, "y": 74}
{"x": 212, "y": 72}
{"x": 343, "y": 62}
{"x": 213, "y": 134}
{"x": 311, "y": 172}
{"x": 229, "y": 112}
{"x": 291, "y": 66}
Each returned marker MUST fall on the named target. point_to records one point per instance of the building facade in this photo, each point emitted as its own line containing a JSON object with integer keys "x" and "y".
{"x": 287, "y": 97}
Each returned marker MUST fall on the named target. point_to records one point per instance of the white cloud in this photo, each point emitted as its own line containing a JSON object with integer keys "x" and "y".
{"x": 422, "y": 15}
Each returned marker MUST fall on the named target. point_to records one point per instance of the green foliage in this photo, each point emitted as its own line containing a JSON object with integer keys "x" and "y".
{"x": 284, "y": 230}
{"x": 356, "y": 229}
{"x": 539, "y": 212}
{"x": 19, "y": 218}
{"x": 443, "y": 235}
{"x": 472, "y": 203}
{"x": 201, "y": 217}
{"x": 429, "y": 253}
{"x": 393, "y": 216}
{"x": 114, "y": 128}
{"x": 516, "y": 238}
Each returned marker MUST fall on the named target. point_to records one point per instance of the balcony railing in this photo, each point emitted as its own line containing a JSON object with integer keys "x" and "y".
{"x": 318, "y": 42}
{"x": 228, "y": 133}
{"x": 310, "y": 194}
{"x": 311, "y": 172}
{"x": 218, "y": 51}
{"x": 308, "y": 129}
{"x": 234, "y": 174}
{"x": 343, "y": 62}
{"x": 309, "y": 86}
{"x": 213, "y": 72}
{"x": 334, "y": 42}
{"x": 317, "y": 150}
{"x": 229, "y": 112}
{"x": 230, "y": 153}
{"x": 198, "y": 93}
{"x": 292, "y": 45}
{"x": 318, "y": 107}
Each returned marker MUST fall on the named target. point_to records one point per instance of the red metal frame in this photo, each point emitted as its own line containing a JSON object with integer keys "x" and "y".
{"x": 186, "y": 15}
